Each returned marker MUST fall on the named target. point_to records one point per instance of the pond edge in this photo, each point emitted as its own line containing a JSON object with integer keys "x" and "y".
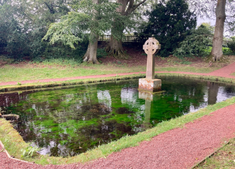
{"x": 102, "y": 153}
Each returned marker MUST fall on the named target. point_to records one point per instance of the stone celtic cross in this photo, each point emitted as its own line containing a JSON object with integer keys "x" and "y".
{"x": 151, "y": 46}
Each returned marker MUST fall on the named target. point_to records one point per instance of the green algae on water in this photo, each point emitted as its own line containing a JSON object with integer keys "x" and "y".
{"x": 70, "y": 121}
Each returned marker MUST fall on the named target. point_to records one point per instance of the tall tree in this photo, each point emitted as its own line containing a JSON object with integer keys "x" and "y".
{"x": 12, "y": 35}
{"x": 217, "y": 51}
{"x": 91, "y": 53}
{"x": 38, "y": 15}
{"x": 125, "y": 9}
{"x": 24, "y": 23}
{"x": 169, "y": 23}
{"x": 89, "y": 17}
{"x": 224, "y": 13}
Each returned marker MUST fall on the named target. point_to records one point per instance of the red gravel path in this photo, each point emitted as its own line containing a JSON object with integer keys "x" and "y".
{"x": 177, "y": 148}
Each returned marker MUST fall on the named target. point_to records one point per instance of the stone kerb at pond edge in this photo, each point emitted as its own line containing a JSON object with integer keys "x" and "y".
{"x": 63, "y": 85}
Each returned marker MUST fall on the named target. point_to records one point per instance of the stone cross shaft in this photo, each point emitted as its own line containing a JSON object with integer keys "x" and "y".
{"x": 150, "y": 47}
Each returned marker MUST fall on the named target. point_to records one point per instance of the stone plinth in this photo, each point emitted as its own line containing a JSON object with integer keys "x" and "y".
{"x": 151, "y": 85}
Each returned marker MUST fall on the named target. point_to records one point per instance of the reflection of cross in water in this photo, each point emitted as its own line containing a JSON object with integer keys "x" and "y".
{"x": 148, "y": 97}
{"x": 150, "y": 47}
{"x": 147, "y": 114}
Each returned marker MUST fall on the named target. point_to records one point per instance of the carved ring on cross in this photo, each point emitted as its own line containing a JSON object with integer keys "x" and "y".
{"x": 151, "y": 46}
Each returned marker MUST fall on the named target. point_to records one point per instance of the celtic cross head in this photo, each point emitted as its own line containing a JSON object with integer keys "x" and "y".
{"x": 151, "y": 46}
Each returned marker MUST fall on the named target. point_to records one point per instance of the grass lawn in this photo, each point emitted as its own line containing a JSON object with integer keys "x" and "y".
{"x": 31, "y": 71}
{"x": 223, "y": 158}
{"x": 58, "y": 69}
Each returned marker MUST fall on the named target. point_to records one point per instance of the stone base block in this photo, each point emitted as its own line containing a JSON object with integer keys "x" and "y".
{"x": 151, "y": 85}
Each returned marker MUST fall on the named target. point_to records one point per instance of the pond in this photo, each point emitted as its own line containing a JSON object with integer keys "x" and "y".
{"x": 68, "y": 122}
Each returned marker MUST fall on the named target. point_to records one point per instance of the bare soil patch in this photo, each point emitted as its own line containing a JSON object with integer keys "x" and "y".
{"x": 137, "y": 57}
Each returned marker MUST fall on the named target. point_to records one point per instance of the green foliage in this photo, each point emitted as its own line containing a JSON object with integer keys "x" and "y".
{"x": 195, "y": 44}
{"x": 29, "y": 151}
{"x": 227, "y": 51}
{"x": 12, "y": 36}
{"x": 22, "y": 27}
{"x": 231, "y": 45}
{"x": 77, "y": 26}
{"x": 169, "y": 23}
{"x": 101, "y": 53}
{"x": 124, "y": 22}
{"x": 43, "y": 13}
{"x": 61, "y": 51}
{"x": 65, "y": 31}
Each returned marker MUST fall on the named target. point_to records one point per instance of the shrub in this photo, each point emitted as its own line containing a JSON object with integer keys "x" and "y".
{"x": 195, "y": 44}
{"x": 231, "y": 45}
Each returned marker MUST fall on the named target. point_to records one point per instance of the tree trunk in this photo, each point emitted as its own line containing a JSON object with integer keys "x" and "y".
{"x": 115, "y": 48}
{"x": 217, "y": 51}
{"x": 125, "y": 9}
{"x": 91, "y": 53}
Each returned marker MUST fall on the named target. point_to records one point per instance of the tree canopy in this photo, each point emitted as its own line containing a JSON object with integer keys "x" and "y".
{"x": 79, "y": 23}
{"x": 169, "y": 23}
{"x": 89, "y": 18}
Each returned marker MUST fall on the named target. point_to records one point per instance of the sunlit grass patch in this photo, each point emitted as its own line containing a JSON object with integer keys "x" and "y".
{"x": 52, "y": 71}
{"x": 42, "y": 71}
{"x": 223, "y": 158}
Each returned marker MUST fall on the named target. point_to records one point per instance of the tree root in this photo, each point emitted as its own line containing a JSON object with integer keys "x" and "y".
{"x": 118, "y": 54}
{"x": 87, "y": 58}
{"x": 213, "y": 61}
{"x": 90, "y": 60}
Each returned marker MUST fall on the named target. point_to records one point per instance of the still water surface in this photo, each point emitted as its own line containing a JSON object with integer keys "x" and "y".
{"x": 68, "y": 122}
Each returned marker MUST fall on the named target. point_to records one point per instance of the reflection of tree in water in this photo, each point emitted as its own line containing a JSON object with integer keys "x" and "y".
{"x": 212, "y": 92}
{"x": 230, "y": 89}
{"x": 71, "y": 121}
{"x": 187, "y": 92}
{"x": 124, "y": 110}
{"x": 9, "y": 99}
{"x": 80, "y": 139}
{"x": 76, "y": 121}
{"x": 92, "y": 135}
{"x": 179, "y": 96}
